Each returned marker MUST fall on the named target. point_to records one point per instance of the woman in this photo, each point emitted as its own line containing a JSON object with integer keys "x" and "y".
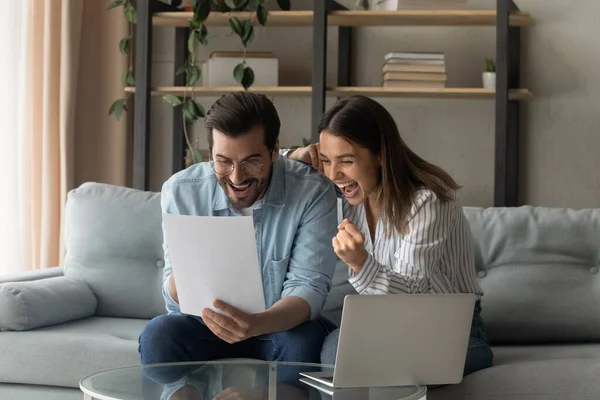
{"x": 402, "y": 231}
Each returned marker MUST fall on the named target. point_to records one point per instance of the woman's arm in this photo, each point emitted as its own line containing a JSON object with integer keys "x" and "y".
{"x": 307, "y": 155}
{"x": 417, "y": 254}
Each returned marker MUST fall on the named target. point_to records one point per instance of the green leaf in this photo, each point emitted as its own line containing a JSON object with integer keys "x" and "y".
{"x": 193, "y": 75}
{"x": 220, "y": 6}
{"x": 188, "y": 116}
{"x": 128, "y": 78}
{"x": 284, "y": 4}
{"x": 261, "y": 14}
{"x": 202, "y": 35}
{"x": 130, "y": 12}
{"x": 191, "y": 42}
{"x": 253, "y": 5}
{"x": 490, "y": 66}
{"x": 236, "y": 26}
{"x": 115, "y": 4}
{"x": 248, "y": 36}
{"x": 113, "y": 106}
{"x": 172, "y": 100}
{"x": 124, "y": 45}
{"x": 195, "y": 155}
{"x": 238, "y": 72}
{"x": 118, "y": 107}
{"x": 182, "y": 69}
{"x": 197, "y": 108}
{"x": 192, "y": 110}
{"x": 193, "y": 24}
{"x": 248, "y": 78}
{"x": 232, "y": 4}
{"x": 201, "y": 11}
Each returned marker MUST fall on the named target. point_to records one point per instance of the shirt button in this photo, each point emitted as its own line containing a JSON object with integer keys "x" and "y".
{"x": 160, "y": 263}
{"x": 594, "y": 270}
{"x": 482, "y": 274}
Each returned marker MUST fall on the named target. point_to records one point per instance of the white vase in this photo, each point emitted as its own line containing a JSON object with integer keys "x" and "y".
{"x": 489, "y": 80}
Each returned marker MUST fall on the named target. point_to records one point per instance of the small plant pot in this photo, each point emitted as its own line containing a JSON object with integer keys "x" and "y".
{"x": 489, "y": 80}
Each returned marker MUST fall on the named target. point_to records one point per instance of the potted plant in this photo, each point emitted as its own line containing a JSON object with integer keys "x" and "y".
{"x": 489, "y": 76}
{"x": 190, "y": 110}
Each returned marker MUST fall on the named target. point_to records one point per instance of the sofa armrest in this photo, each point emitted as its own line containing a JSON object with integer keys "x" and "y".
{"x": 42, "y": 302}
{"x": 32, "y": 275}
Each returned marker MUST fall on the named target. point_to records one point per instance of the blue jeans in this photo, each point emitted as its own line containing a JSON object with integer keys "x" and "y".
{"x": 181, "y": 338}
{"x": 479, "y": 352}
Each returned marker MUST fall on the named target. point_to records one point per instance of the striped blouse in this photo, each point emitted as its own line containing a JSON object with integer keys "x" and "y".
{"x": 435, "y": 256}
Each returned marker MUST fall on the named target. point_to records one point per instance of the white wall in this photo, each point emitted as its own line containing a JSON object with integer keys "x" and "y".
{"x": 560, "y": 128}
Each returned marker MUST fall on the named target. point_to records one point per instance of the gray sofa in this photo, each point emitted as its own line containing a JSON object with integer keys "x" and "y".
{"x": 538, "y": 267}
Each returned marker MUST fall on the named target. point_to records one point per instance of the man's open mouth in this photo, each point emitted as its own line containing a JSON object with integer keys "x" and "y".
{"x": 242, "y": 189}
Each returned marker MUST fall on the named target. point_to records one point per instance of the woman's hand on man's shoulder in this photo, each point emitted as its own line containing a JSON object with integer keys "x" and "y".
{"x": 308, "y": 155}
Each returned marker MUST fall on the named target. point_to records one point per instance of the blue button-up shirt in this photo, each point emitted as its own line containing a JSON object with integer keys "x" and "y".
{"x": 293, "y": 224}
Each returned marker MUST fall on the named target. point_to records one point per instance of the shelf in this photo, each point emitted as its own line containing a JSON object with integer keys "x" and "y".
{"x": 220, "y": 90}
{"x": 357, "y": 18}
{"x": 275, "y": 18}
{"x": 430, "y": 93}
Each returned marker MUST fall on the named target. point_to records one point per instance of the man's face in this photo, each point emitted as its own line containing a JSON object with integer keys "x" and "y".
{"x": 251, "y": 162}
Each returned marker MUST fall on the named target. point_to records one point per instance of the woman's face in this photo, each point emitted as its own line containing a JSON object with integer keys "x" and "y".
{"x": 352, "y": 168}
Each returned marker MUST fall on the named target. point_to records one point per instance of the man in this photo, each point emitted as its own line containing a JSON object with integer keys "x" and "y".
{"x": 295, "y": 219}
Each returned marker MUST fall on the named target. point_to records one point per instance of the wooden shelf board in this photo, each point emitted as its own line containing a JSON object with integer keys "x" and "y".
{"x": 275, "y": 18}
{"x": 358, "y": 18}
{"x": 198, "y": 91}
{"x": 425, "y": 18}
{"x": 431, "y": 93}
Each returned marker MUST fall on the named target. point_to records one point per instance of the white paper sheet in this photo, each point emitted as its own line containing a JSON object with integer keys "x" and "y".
{"x": 214, "y": 258}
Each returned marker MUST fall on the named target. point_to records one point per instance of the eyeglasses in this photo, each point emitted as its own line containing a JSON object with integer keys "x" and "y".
{"x": 250, "y": 167}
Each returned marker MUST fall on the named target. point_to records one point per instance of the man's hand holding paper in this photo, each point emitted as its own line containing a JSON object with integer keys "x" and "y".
{"x": 231, "y": 324}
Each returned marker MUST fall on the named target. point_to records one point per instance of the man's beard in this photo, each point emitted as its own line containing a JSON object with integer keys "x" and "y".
{"x": 245, "y": 197}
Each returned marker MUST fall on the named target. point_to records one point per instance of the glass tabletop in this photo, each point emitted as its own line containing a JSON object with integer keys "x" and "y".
{"x": 230, "y": 380}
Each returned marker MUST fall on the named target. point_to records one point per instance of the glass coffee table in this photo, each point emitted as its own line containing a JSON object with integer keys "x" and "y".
{"x": 229, "y": 380}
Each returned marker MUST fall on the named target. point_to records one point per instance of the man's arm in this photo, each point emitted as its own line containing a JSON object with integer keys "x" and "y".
{"x": 284, "y": 315}
{"x": 169, "y": 290}
{"x": 311, "y": 266}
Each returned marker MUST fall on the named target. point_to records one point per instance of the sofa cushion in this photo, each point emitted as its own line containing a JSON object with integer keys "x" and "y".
{"x": 32, "y": 392}
{"x": 518, "y": 354}
{"x": 538, "y": 268}
{"x": 28, "y": 305}
{"x": 563, "y": 379}
{"x": 61, "y": 355}
{"x": 114, "y": 243}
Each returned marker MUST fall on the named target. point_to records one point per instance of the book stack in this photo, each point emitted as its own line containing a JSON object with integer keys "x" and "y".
{"x": 414, "y": 70}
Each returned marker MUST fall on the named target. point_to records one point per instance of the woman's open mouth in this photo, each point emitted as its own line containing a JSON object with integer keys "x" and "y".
{"x": 350, "y": 189}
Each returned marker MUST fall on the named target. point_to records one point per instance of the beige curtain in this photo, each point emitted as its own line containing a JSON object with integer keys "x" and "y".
{"x": 72, "y": 74}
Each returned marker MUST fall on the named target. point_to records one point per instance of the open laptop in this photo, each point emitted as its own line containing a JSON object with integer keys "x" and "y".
{"x": 400, "y": 340}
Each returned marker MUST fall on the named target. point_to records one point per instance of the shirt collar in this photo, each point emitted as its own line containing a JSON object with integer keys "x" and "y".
{"x": 273, "y": 197}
